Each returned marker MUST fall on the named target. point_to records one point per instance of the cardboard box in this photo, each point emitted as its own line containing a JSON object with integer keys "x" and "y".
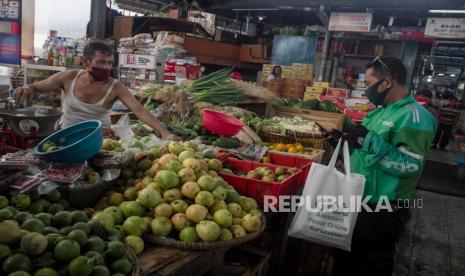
{"x": 176, "y": 39}
{"x": 328, "y": 120}
{"x": 320, "y": 84}
{"x": 341, "y": 93}
{"x": 311, "y": 96}
{"x": 353, "y": 101}
{"x": 316, "y": 90}
{"x": 303, "y": 66}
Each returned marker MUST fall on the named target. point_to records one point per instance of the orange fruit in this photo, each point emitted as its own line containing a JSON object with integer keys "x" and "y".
{"x": 288, "y": 146}
{"x": 281, "y": 147}
{"x": 292, "y": 150}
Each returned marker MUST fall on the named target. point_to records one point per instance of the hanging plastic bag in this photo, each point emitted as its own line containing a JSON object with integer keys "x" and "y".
{"x": 123, "y": 129}
{"x": 47, "y": 187}
{"x": 110, "y": 174}
{"x": 320, "y": 224}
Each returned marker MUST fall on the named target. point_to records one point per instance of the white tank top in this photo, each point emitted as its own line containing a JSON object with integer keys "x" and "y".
{"x": 75, "y": 111}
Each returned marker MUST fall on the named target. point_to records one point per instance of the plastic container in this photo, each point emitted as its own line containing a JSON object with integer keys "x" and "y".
{"x": 31, "y": 121}
{"x": 220, "y": 123}
{"x": 316, "y": 157}
{"x": 255, "y": 188}
{"x": 81, "y": 141}
{"x": 295, "y": 161}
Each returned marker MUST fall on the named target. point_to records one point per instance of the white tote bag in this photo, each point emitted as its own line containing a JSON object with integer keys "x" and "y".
{"x": 332, "y": 200}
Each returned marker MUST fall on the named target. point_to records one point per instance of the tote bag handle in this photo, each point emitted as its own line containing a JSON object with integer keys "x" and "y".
{"x": 345, "y": 155}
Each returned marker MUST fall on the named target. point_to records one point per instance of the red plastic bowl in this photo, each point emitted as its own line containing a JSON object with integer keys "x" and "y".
{"x": 220, "y": 123}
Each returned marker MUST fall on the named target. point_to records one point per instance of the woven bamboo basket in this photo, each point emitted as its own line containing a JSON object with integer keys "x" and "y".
{"x": 135, "y": 262}
{"x": 173, "y": 243}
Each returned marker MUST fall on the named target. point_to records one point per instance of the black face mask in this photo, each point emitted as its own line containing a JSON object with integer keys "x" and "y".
{"x": 375, "y": 97}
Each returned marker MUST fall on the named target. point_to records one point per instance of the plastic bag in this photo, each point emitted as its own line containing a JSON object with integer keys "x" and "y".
{"x": 143, "y": 36}
{"x": 47, "y": 187}
{"x": 110, "y": 174}
{"x": 123, "y": 129}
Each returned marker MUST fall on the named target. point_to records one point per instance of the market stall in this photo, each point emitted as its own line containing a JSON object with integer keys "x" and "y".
{"x": 159, "y": 206}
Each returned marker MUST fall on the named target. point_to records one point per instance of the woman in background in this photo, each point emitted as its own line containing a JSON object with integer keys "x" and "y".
{"x": 275, "y": 75}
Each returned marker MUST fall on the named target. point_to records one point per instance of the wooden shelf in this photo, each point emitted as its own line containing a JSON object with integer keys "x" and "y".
{"x": 369, "y": 39}
{"x": 358, "y": 56}
{"x": 449, "y": 54}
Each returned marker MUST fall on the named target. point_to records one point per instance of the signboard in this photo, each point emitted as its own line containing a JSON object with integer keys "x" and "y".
{"x": 10, "y": 32}
{"x": 137, "y": 61}
{"x": 350, "y": 21}
{"x": 445, "y": 27}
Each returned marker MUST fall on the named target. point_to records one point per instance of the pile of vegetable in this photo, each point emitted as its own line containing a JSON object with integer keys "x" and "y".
{"x": 312, "y": 104}
{"x": 288, "y": 31}
{"x": 283, "y": 125}
{"x": 216, "y": 88}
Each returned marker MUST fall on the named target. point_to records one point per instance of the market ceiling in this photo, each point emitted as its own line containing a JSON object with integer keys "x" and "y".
{"x": 309, "y": 12}
{"x": 339, "y": 4}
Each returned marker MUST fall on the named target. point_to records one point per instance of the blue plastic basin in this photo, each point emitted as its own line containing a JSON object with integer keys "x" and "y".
{"x": 80, "y": 142}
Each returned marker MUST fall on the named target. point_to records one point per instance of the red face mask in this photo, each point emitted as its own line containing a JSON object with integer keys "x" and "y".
{"x": 100, "y": 74}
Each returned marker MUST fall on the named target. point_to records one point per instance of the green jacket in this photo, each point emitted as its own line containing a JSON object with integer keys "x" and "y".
{"x": 392, "y": 154}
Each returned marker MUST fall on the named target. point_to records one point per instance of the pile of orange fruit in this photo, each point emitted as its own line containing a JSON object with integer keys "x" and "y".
{"x": 292, "y": 148}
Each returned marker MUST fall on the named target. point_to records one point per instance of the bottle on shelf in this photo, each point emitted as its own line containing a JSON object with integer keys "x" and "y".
{"x": 50, "y": 57}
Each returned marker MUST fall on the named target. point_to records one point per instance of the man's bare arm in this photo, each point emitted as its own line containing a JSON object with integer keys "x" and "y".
{"x": 53, "y": 83}
{"x": 143, "y": 114}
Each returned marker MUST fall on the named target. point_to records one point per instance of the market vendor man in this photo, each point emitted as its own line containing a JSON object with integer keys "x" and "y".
{"x": 90, "y": 93}
{"x": 389, "y": 149}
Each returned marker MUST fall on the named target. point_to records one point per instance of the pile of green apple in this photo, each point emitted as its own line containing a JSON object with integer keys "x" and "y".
{"x": 49, "y": 146}
{"x": 279, "y": 174}
{"x": 175, "y": 191}
{"x": 109, "y": 144}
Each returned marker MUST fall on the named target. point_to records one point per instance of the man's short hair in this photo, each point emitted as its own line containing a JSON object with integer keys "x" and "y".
{"x": 97, "y": 46}
{"x": 389, "y": 66}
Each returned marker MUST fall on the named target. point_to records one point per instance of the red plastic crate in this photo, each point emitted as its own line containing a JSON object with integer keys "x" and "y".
{"x": 257, "y": 189}
{"x": 286, "y": 160}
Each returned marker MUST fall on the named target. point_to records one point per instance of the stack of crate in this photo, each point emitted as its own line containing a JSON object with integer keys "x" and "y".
{"x": 267, "y": 70}
{"x": 314, "y": 91}
{"x": 302, "y": 71}
{"x": 286, "y": 72}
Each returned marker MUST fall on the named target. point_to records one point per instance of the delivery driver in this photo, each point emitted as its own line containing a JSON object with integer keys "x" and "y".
{"x": 90, "y": 93}
{"x": 388, "y": 149}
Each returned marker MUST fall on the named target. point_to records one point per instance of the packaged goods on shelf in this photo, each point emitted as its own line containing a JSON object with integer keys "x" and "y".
{"x": 320, "y": 84}
{"x": 267, "y": 69}
{"x": 358, "y": 93}
{"x": 338, "y": 92}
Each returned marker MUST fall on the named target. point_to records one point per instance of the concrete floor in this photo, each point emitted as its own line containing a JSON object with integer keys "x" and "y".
{"x": 434, "y": 239}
